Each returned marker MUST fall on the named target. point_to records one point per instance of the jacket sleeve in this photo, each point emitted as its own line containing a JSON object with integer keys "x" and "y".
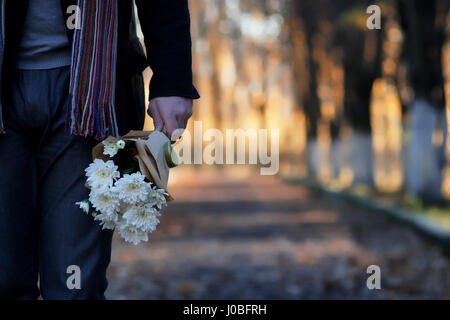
{"x": 166, "y": 28}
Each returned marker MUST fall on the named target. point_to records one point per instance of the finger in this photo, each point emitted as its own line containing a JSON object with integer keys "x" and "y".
{"x": 182, "y": 121}
{"x": 171, "y": 124}
{"x": 184, "y": 118}
{"x": 156, "y": 116}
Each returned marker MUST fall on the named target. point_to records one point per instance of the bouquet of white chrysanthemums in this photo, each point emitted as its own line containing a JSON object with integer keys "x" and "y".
{"x": 121, "y": 197}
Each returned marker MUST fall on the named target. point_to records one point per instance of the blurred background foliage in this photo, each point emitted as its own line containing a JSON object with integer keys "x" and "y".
{"x": 358, "y": 110}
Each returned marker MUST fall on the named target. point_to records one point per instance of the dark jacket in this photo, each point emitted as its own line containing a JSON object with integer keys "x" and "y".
{"x": 166, "y": 28}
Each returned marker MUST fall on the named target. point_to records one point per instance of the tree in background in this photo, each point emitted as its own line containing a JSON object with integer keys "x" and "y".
{"x": 362, "y": 66}
{"x": 424, "y": 26}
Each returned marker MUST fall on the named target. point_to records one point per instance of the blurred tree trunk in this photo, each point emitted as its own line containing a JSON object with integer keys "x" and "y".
{"x": 336, "y": 67}
{"x": 362, "y": 65}
{"x": 306, "y": 27}
{"x": 424, "y": 25}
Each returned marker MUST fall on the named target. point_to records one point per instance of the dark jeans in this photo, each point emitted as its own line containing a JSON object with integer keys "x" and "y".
{"x": 42, "y": 231}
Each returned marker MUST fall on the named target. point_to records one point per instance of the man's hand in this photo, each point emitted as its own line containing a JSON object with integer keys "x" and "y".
{"x": 170, "y": 113}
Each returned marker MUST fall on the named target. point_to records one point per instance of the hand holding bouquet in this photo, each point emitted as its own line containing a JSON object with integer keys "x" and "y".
{"x": 128, "y": 182}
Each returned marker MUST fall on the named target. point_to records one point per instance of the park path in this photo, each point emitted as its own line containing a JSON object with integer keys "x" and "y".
{"x": 238, "y": 235}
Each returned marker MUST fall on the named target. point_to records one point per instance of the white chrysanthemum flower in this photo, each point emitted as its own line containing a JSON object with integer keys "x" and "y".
{"x": 132, "y": 234}
{"x": 105, "y": 201}
{"x": 120, "y": 144}
{"x": 145, "y": 217}
{"x": 101, "y": 174}
{"x": 108, "y": 221}
{"x": 84, "y": 205}
{"x": 132, "y": 188}
{"x": 157, "y": 198}
{"x": 110, "y": 147}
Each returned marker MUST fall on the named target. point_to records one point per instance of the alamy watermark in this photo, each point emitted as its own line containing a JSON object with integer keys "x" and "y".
{"x": 374, "y": 20}
{"x": 74, "y": 280}
{"x": 74, "y": 20}
{"x": 214, "y": 147}
{"x": 374, "y": 280}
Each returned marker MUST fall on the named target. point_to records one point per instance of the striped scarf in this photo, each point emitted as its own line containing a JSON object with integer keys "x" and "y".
{"x": 93, "y": 71}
